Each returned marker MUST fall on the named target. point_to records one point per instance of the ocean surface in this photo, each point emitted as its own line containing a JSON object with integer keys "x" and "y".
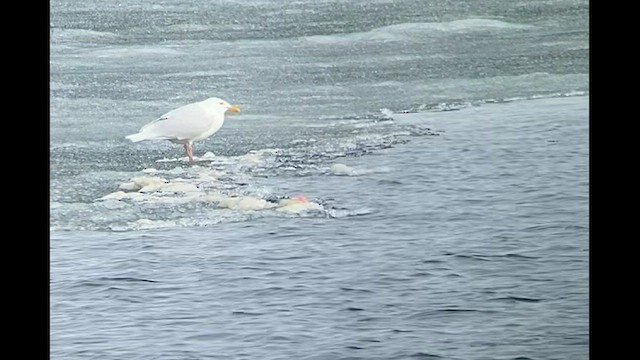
{"x": 407, "y": 180}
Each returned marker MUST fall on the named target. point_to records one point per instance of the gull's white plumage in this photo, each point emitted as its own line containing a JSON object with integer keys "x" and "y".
{"x": 186, "y": 124}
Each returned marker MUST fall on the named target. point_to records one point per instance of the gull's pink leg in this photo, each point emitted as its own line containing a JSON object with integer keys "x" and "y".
{"x": 189, "y": 151}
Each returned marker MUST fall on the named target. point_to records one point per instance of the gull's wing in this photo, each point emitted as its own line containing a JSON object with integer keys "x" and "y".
{"x": 185, "y": 122}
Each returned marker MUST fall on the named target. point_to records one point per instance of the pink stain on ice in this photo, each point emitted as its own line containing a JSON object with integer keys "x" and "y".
{"x": 300, "y": 198}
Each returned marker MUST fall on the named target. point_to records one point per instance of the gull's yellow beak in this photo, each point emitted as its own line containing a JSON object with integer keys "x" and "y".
{"x": 234, "y": 108}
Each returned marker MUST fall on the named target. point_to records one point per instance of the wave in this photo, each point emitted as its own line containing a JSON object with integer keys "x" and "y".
{"x": 408, "y": 31}
{"x": 340, "y": 169}
{"x": 412, "y": 116}
{"x": 80, "y": 35}
{"x": 188, "y": 27}
{"x": 479, "y": 110}
{"x": 56, "y": 86}
{"x": 191, "y": 74}
{"x": 452, "y": 106}
{"x": 134, "y": 51}
{"x": 545, "y": 96}
{"x": 474, "y": 92}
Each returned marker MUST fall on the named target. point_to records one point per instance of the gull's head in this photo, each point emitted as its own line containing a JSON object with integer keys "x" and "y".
{"x": 217, "y": 103}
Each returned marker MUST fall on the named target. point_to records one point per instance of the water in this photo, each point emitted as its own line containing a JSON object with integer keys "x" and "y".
{"x": 443, "y": 147}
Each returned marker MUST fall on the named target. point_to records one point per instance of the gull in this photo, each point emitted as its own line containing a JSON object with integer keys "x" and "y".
{"x": 187, "y": 124}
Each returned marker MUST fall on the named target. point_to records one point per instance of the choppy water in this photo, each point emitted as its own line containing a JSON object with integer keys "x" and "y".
{"x": 443, "y": 147}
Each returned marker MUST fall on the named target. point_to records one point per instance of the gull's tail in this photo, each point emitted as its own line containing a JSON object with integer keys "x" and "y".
{"x": 136, "y": 137}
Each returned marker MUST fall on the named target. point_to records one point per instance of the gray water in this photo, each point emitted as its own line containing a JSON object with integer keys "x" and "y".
{"x": 443, "y": 147}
